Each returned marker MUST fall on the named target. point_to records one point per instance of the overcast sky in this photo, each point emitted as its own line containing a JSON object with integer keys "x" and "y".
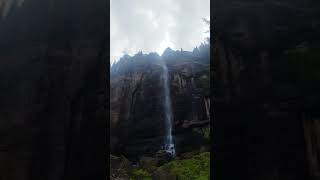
{"x": 154, "y": 25}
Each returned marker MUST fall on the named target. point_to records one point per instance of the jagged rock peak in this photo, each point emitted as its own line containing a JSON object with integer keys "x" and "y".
{"x": 167, "y": 51}
{"x": 125, "y": 57}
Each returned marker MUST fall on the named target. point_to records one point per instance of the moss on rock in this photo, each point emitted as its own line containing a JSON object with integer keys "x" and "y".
{"x": 197, "y": 168}
{"x": 140, "y": 174}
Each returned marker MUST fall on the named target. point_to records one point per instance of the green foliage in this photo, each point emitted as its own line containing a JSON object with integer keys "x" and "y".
{"x": 140, "y": 174}
{"x": 197, "y": 168}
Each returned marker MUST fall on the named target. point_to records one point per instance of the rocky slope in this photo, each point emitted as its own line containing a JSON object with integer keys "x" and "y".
{"x": 137, "y": 114}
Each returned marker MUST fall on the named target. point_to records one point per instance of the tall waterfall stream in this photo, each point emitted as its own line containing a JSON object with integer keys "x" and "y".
{"x": 168, "y": 143}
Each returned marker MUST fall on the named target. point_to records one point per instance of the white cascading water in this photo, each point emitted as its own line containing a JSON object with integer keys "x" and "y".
{"x": 168, "y": 143}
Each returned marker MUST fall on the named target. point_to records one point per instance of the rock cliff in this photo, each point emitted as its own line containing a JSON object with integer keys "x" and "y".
{"x": 137, "y": 114}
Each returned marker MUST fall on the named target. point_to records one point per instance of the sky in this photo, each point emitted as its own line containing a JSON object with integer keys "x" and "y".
{"x": 154, "y": 25}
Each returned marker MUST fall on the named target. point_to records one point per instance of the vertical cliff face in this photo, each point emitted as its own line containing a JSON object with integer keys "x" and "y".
{"x": 137, "y": 113}
{"x": 136, "y": 95}
{"x": 53, "y": 102}
{"x": 264, "y": 67}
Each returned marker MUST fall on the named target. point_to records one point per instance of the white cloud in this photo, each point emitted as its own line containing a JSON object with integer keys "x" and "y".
{"x": 153, "y": 25}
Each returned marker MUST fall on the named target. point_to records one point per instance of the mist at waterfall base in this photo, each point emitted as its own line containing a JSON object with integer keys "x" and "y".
{"x": 168, "y": 144}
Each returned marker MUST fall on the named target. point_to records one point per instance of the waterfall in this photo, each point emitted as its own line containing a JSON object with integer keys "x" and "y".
{"x": 168, "y": 143}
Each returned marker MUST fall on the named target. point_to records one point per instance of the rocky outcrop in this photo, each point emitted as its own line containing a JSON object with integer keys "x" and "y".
{"x": 137, "y": 114}
{"x": 53, "y": 100}
{"x": 119, "y": 168}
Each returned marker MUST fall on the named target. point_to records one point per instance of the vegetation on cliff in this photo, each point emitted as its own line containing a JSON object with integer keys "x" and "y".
{"x": 195, "y": 167}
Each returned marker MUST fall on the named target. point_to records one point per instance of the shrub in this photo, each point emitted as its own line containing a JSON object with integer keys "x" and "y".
{"x": 197, "y": 168}
{"x": 140, "y": 174}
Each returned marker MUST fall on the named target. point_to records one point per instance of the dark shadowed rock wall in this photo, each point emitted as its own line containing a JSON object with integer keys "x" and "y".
{"x": 53, "y": 90}
{"x": 266, "y": 90}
